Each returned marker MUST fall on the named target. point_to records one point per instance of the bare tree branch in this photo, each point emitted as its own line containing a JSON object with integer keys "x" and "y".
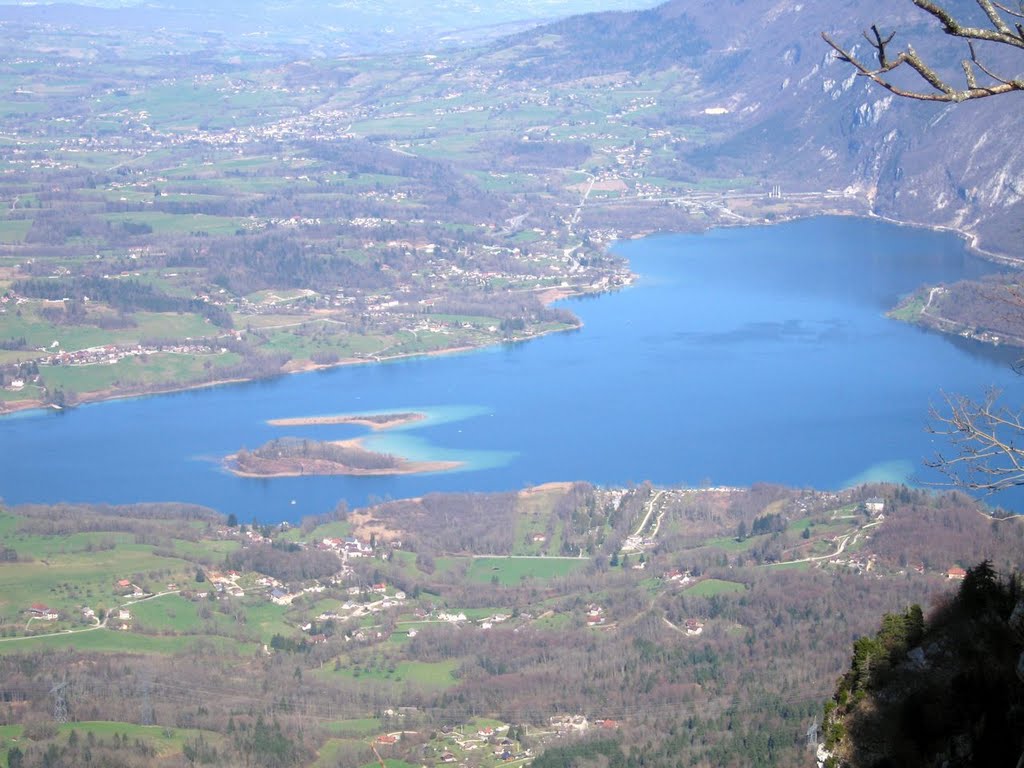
{"x": 1019, "y": 13}
{"x": 1001, "y": 33}
{"x": 987, "y": 441}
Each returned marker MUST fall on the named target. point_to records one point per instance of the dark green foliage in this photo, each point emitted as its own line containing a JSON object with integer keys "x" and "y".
{"x": 290, "y": 644}
{"x": 956, "y": 698}
{"x": 283, "y": 449}
{"x": 200, "y": 752}
{"x": 605, "y": 752}
{"x": 14, "y": 344}
{"x": 267, "y": 746}
{"x": 770, "y": 523}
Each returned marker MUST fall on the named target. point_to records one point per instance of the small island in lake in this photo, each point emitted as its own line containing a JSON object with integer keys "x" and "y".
{"x": 375, "y": 421}
{"x": 295, "y": 457}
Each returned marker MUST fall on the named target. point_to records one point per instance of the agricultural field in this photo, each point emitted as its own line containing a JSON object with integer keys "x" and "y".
{"x": 512, "y": 571}
{"x": 713, "y": 587}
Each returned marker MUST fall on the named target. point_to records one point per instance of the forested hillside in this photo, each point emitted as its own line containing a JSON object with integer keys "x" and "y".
{"x": 948, "y": 690}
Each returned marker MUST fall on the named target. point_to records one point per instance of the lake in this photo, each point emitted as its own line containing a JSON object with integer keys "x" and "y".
{"x": 740, "y": 356}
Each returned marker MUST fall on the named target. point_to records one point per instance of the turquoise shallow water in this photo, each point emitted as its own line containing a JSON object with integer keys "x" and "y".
{"x": 740, "y": 356}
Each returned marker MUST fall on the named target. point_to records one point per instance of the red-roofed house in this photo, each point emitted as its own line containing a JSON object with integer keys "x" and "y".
{"x": 40, "y": 611}
{"x": 956, "y": 572}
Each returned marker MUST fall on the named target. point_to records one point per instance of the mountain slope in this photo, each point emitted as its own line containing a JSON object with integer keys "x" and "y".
{"x": 799, "y": 117}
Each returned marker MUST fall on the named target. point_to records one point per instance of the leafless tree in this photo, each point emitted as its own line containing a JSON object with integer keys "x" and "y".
{"x": 1005, "y": 29}
{"x": 986, "y": 439}
{"x": 987, "y": 442}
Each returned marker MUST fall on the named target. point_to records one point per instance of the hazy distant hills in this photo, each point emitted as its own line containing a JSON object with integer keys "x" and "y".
{"x": 798, "y": 117}
{"x": 333, "y": 26}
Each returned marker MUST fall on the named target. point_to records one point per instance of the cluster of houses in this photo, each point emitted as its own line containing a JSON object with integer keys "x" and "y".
{"x": 290, "y": 222}
{"x": 225, "y": 583}
{"x": 450, "y": 618}
{"x": 678, "y": 576}
{"x": 497, "y": 739}
{"x": 347, "y": 547}
{"x": 858, "y": 562}
{"x": 490, "y": 621}
{"x": 569, "y": 723}
{"x": 112, "y": 353}
{"x": 250, "y": 534}
{"x": 281, "y": 596}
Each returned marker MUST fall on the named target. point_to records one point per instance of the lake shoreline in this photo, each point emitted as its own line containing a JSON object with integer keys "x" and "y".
{"x": 660, "y": 387}
{"x": 547, "y": 295}
{"x": 550, "y": 295}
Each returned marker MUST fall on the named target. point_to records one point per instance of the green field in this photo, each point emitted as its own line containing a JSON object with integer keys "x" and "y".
{"x": 800, "y": 566}
{"x": 427, "y": 675}
{"x": 173, "y": 614}
{"x": 910, "y": 310}
{"x": 731, "y": 543}
{"x": 39, "y": 332}
{"x": 331, "y": 752}
{"x": 179, "y": 224}
{"x": 352, "y": 729}
{"x": 510, "y": 571}
{"x": 156, "y": 370}
{"x": 165, "y": 741}
{"x": 67, "y": 582}
{"x": 14, "y": 231}
{"x": 713, "y": 587}
{"x": 205, "y": 550}
{"x": 10, "y": 735}
{"x": 113, "y": 641}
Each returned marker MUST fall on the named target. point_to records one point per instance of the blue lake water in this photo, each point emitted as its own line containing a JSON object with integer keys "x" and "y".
{"x": 741, "y": 355}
